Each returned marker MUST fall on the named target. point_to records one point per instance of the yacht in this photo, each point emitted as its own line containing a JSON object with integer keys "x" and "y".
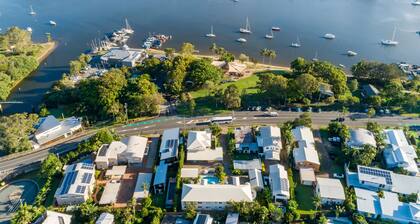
{"x": 351, "y": 53}
{"x": 241, "y": 40}
{"x": 52, "y": 23}
{"x": 296, "y": 44}
{"x": 247, "y": 29}
{"x": 329, "y": 36}
{"x": 316, "y": 57}
{"x": 417, "y": 2}
{"x": 269, "y": 36}
{"x": 275, "y": 28}
{"x": 32, "y": 12}
{"x": 391, "y": 42}
{"x": 211, "y": 34}
{"x": 127, "y": 29}
{"x": 29, "y": 29}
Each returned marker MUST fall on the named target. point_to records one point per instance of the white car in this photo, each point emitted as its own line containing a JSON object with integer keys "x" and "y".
{"x": 339, "y": 176}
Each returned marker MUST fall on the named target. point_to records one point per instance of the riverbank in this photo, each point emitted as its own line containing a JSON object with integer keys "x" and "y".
{"x": 45, "y": 49}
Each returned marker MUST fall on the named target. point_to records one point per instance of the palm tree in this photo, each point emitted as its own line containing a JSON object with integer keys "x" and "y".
{"x": 24, "y": 215}
{"x": 317, "y": 202}
{"x": 271, "y": 55}
{"x": 264, "y": 53}
{"x": 213, "y": 48}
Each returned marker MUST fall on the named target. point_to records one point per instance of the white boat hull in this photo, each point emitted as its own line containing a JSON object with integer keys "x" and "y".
{"x": 241, "y": 40}
{"x": 210, "y": 35}
{"x": 389, "y": 43}
{"x": 245, "y": 31}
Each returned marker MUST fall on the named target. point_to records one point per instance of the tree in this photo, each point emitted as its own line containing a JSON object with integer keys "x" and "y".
{"x": 174, "y": 83}
{"x": 299, "y": 66}
{"x": 18, "y": 38}
{"x": 243, "y": 58}
{"x": 359, "y": 219}
{"x": 231, "y": 97}
{"x": 187, "y": 49}
{"x": 362, "y": 157}
{"x": 394, "y": 92}
{"x": 353, "y": 85}
{"x": 376, "y": 72}
{"x": 264, "y": 53}
{"x": 190, "y": 210}
{"x": 307, "y": 84}
{"x": 322, "y": 219}
{"x": 339, "y": 209}
{"x": 274, "y": 87}
{"x": 271, "y": 54}
{"x": 84, "y": 59}
{"x": 276, "y": 213}
{"x": 75, "y": 67}
{"x": 220, "y": 173}
{"x": 201, "y": 71}
{"x": 26, "y": 214}
{"x": 51, "y": 165}
{"x": 87, "y": 212}
{"x": 15, "y": 130}
{"x": 43, "y": 112}
{"x": 227, "y": 57}
{"x": 216, "y": 130}
{"x": 303, "y": 120}
{"x": 375, "y": 101}
{"x": 169, "y": 52}
{"x": 371, "y": 112}
{"x": 317, "y": 202}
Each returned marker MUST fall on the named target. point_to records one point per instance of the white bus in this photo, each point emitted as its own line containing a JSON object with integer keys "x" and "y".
{"x": 221, "y": 120}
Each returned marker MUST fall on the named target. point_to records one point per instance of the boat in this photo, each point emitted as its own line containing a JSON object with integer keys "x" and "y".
{"x": 247, "y": 29}
{"x": 29, "y": 29}
{"x": 32, "y": 12}
{"x": 418, "y": 32}
{"x": 316, "y": 56}
{"x": 329, "y": 36}
{"x": 351, "y": 53}
{"x": 211, "y": 34}
{"x": 52, "y": 23}
{"x": 241, "y": 40}
{"x": 127, "y": 29}
{"x": 296, "y": 44}
{"x": 416, "y": 3}
{"x": 235, "y": 0}
{"x": 391, "y": 42}
{"x": 269, "y": 36}
{"x": 342, "y": 66}
{"x": 275, "y": 28}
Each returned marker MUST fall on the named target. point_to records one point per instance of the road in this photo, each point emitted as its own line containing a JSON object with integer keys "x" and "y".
{"x": 157, "y": 125}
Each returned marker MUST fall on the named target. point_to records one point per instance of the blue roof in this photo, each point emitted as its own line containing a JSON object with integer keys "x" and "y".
{"x": 160, "y": 175}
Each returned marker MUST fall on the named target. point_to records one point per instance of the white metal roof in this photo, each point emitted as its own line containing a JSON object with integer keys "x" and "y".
{"x": 255, "y": 178}
{"x": 216, "y": 193}
{"x": 279, "y": 180}
{"x": 304, "y": 154}
{"x": 198, "y": 140}
{"x": 49, "y": 130}
{"x": 232, "y": 218}
{"x": 169, "y": 146}
{"x": 269, "y": 136}
{"x": 50, "y": 217}
{"x": 399, "y": 152}
{"x": 78, "y": 178}
{"x": 110, "y": 193}
{"x": 116, "y": 171}
{"x": 330, "y": 188}
{"x": 307, "y": 174}
{"x": 360, "y": 137}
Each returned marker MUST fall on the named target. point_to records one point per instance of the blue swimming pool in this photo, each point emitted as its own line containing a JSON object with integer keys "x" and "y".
{"x": 210, "y": 179}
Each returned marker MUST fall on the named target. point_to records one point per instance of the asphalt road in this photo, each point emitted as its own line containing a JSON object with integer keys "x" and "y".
{"x": 157, "y": 125}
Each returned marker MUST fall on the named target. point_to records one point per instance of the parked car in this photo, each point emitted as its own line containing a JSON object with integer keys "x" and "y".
{"x": 271, "y": 114}
{"x": 339, "y": 176}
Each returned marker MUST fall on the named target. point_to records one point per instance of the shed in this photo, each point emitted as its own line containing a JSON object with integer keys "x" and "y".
{"x": 307, "y": 176}
{"x": 189, "y": 172}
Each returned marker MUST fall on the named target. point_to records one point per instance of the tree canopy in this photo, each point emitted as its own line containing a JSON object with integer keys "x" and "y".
{"x": 14, "y": 132}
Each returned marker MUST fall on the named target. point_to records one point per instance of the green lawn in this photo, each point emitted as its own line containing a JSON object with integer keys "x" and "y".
{"x": 304, "y": 197}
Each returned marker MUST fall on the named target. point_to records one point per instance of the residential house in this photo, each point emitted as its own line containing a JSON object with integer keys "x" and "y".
{"x": 245, "y": 165}
{"x": 199, "y": 147}
{"x": 236, "y": 69}
{"x": 159, "y": 182}
{"x": 330, "y": 191}
{"x": 203, "y": 219}
{"x": 129, "y": 151}
{"x": 305, "y": 155}
{"x": 279, "y": 183}
{"x": 269, "y": 141}
{"x": 307, "y": 176}
{"x": 398, "y": 152}
{"x": 387, "y": 206}
{"x": 110, "y": 193}
{"x": 360, "y": 137}
{"x": 375, "y": 179}
{"x": 244, "y": 140}
{"x": 115, "y": 173}
{"x": 50, "y": 217}
{"x": 105, "y": 218}
{"x": 369, "y": 91}
{"x": 256, "y": 179}
{"x": 215, "y": 196}
{"x": 169, "y": 145}
{"x": 189, "y": 172}
{"x": 143, "y": 184}
{"x": 50, "y": 129}
{"x": 77, "y": 185}
{"x": 123, "y": 57}
{"x": 232, "y": 218}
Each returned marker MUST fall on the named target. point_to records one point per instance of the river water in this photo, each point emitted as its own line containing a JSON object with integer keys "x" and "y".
{"x": 359, "y": 25}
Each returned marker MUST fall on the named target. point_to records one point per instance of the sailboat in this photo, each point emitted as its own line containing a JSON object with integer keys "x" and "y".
{"x": 316, "y": 56}
{"x": 247, "y": 29}
{"x": 52, "y": 23}
{"x": 275, "y": 28}
{"x": 391, "y": 42}
{"x": 296, "y": 44}
{"x": 329, "y": 36}
{"x": 351, "y": 53}
{"x": 211, "y": 34}
{"x": 269, "y": 36}
{"x": 32, "y": 12}
{"x": 127, "y": 28}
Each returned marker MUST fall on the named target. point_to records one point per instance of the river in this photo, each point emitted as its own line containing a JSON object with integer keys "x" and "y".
{"x": 359, "y": 25}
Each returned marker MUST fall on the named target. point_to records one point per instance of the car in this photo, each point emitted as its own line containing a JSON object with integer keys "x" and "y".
{"x": 271, "y": 114}
{"x": 318, "y": 110}
{"x": 339, "y": 176}
{"x": 341, "y": 119}
{"x": 258, "y": 108}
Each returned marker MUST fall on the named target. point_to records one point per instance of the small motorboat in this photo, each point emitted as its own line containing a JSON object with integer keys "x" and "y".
{"x": 241, "y": 40}
{"x": 52, "y": 23}
{"x": 29, "y": 29}
{"x": 351, "y": 53}
{"x": 275, "y": 28}
{"x": 329, "y": 36}
{"x": 342, "y": 66}
{"x": 416, "y": 3}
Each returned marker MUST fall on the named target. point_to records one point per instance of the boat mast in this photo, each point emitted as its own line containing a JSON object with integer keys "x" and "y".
{"x": 127, "y": 26}
{"x": 393, "y": 33}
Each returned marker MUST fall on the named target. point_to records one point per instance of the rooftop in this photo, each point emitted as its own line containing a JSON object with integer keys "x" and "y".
{"x": 77, "y": 179}
{"x": 110, "y": 193}
{"x": 360, "y": 137}
{"x": 269, "y": 136}
{"x": 50, "y": 217}
{"x": 189, "y": 172}
{"x": 49, "y": 128}
{"x": 255, "y": 178}
{"x": 116, "y": 171}
{"x": 160, "y": 175}
{"x": 105, "y": 218}
{"x": 169, "y": 146}
{"x": 307, "y": 174}
{"x": 143, "y": 183}
{"x": 247, "y": 164}
{"x": 279, "y": 180}
{"x": 330, "y": 188}
{"x": 216, "y": 193}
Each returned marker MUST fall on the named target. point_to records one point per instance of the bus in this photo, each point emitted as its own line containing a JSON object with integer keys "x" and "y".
{"x": 221, "y": 120}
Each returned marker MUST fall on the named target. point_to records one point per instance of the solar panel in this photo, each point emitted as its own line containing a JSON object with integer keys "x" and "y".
{"x": 377, "y": 172}
{"x": 87, "y": 177}
{"x": 68, "y": 181}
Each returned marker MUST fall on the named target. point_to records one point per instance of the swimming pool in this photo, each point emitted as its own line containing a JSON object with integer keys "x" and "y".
{"x": 210, "y": 179}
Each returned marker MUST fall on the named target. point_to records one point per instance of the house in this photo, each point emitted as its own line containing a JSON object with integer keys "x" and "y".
{"x": 203, "y": 219}
{"x": 199, "y": 147}
{"x": 325, "y": 90}
{"x": 129, "y": 151}
{"x": 232, "y": 218}
{"x": 256, "y": 179}
{"x": 360, "y": 137}
{"x": 279, "y": 183}
{"x": 169, "y": 145}
{"x": 159, "y": 182}
{"x": 386, "y": 207}
{"x": 245, "y": 165}
{"x": 330, "y": 191}
{"x": 236, "y": 69}
{"x": 369, "y": 91}
{"x": 215, "y": 196}
{"x": 105, "y": 218}
{"x": 142, "y": 188}
{"x": 244, "y": 140}
{"x": 375, "y": 179}
{"x": 398, "y": 152}
{"x": 115, "y": 173}
{"x": 307, "y": 176}
{"x": 305, "y": 155}
{"x": 189, "y": 172}
{"x": 77, "y": 185}
{"x": 110, "y": 193}
{"x": 50, "y": 217}
{"x": 269, "y": 141}
{"x": 119, "y": 57}
{"x": 50, "y": 129}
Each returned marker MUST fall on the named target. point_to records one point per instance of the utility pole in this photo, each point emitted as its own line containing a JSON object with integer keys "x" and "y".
{"x": 126, "y": 113}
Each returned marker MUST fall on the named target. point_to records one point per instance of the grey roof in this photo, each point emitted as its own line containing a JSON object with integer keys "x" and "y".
{"x": 370, "y": 90}
{"x": 169, "y": 146}
{"x": 64, "y": 127}
{"x": 255, "y": 178}
{"x": 203, "y": 219}
{"x": 247, "y": 164}
{"x": 360, "y": 137}
{"x": 279, "y": 180}
{"x": 330, "y": 188}
{"x": 232, "y": 218}
{"x": 160, "y": 175}
{"x": 46, "y": 123}
{"x": 110, "y": 193}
